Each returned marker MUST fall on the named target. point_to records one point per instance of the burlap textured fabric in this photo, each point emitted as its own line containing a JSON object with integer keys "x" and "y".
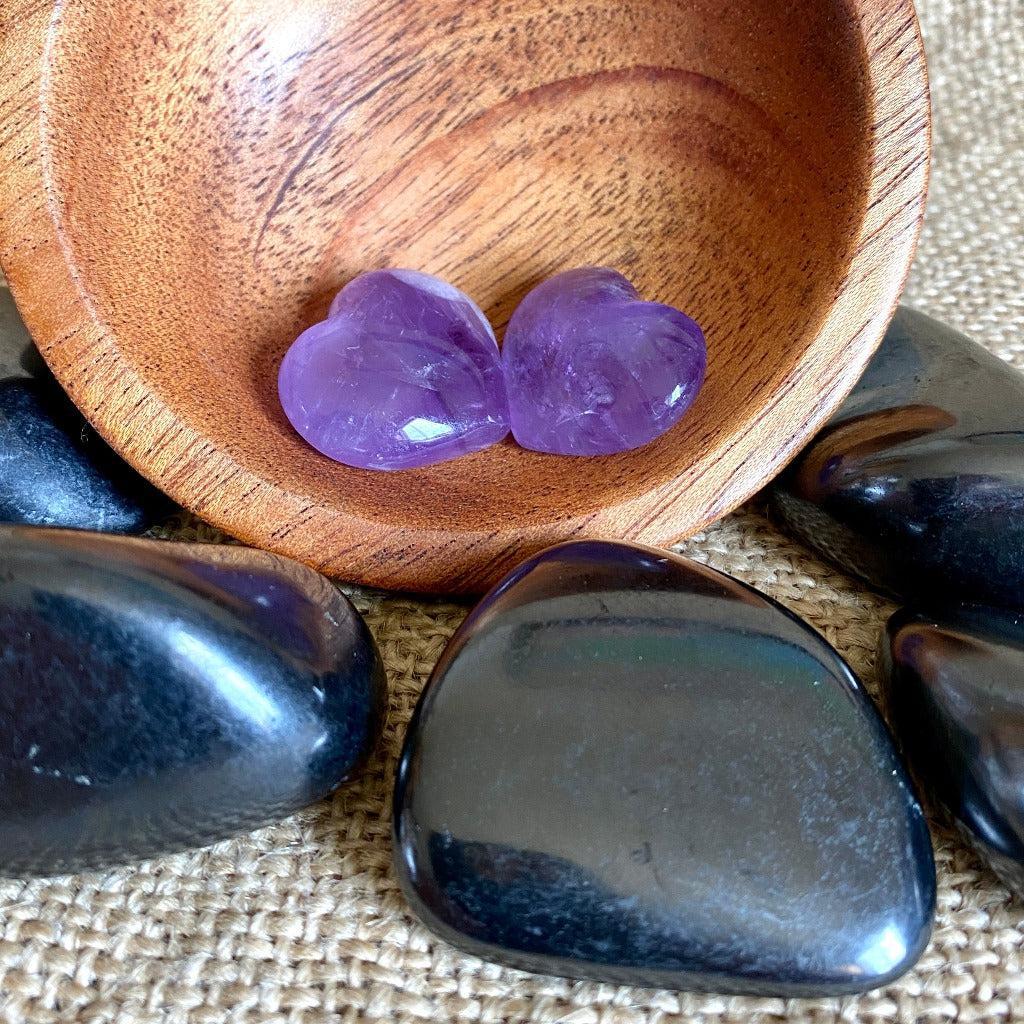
{"x": 302, "y": 923}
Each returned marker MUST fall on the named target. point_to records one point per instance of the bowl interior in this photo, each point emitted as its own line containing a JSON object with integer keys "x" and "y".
{"x": 227, "y": 166}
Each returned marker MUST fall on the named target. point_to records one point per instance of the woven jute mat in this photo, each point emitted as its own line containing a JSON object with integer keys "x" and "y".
{"x": 303, "y": 923}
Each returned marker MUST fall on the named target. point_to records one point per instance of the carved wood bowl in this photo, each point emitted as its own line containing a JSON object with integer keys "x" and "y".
{"x": 185, "y": 186}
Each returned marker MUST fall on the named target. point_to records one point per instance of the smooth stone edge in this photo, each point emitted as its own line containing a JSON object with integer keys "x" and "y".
{"x": 1008, "y": 870}
{"x": 661, "y": 980}
{"x": 377, "y": 711}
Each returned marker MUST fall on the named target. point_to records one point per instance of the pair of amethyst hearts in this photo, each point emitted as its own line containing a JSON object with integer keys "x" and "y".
{"x": 405, "y": 371}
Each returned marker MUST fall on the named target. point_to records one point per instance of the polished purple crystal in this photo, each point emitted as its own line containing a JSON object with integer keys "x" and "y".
{"x": 591, "y": 369}
{"x": 404, "y": 372}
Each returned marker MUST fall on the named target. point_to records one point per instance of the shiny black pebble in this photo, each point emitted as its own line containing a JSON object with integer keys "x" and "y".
{"x": 629, "y": 767}
{"x": 917, "y": 483}
{"x": 157, "y": 696}
{"x": 55, "y": 470}
{"x": 955, "y": 687}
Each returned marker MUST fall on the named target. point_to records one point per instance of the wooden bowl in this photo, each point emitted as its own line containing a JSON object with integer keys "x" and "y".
{"x": 185, "y": 185}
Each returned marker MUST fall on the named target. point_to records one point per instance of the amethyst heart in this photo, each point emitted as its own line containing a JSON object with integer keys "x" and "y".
{"x": 404, "y": 372}
{"x": 591, "y": 369}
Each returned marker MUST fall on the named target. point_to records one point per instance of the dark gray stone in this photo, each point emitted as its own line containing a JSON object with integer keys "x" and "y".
{"x": 156, "y": 696}
{"x": 629, "y": 767}
{"x": 917, "y": 483}
{"x": 18, "y": 355}
{"x": 55, "y": 470}
{"x": 955, "y": 686}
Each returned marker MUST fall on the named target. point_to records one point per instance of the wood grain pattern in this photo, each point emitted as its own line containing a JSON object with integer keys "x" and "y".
{"x": 185, "y": 185}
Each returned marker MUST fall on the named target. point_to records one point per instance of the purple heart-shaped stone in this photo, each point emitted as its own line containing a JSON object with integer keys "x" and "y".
{"x": 591, "y": 369}
{"x": 404, "y": 372}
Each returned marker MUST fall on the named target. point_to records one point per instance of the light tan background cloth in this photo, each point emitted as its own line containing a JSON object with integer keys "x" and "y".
{"x": 302, "y": 922}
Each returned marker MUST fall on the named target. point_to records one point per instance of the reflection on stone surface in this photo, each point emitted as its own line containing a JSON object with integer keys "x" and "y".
{"x": 156, "y": 696}
{"x": 955, "y": 684}
{"x": 404, "y": 372}
{"x": 55, "y": 470}
{"x": 591, "y": 369}
{"x": 632, "y": 768}
{"x": 917, "y": 483}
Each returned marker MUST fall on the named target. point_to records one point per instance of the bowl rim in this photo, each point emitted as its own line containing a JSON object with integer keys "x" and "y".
{"x": 207, "y": 481}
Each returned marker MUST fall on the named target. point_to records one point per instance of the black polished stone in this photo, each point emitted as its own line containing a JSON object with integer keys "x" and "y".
{"x": 156, "y": 696}
{"x": 629, "y": 767}
{"x": 55, "y": 470}
{"x": 955, "y": 686}
{"x": 917, "y": 483}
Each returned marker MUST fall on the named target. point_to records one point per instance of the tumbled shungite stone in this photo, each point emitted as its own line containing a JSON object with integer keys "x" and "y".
{"x": 591, "y": 369}
{"x": 917, "y": 483}
{"x": 404, "y": 372}
{"x": 55, "y": 470}
{"x": 156, "y": 696}
{"x": 629, "y": 767}
{"x": 955, "y": 686}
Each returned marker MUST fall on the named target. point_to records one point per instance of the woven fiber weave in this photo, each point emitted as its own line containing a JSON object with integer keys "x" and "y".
{"x": 302, "y": 923}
